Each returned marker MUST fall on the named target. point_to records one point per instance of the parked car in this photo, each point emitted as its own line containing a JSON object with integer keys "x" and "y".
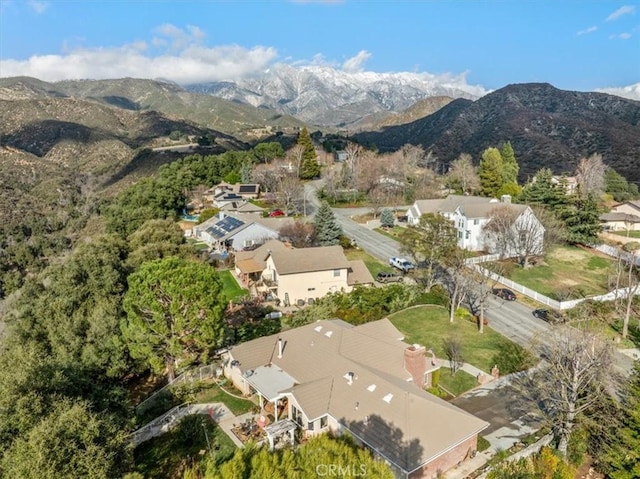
{"x": 549, "y": 315}
{"x": 276, "y": 213}
{"x": 389, "y": 277}
{"x": 402, "y": 264}
{"x": 504, "y": 293}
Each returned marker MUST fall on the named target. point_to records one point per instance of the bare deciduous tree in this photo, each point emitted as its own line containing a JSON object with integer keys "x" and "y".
{"x": 453, "y": 350}
{"x": 590, "y": 175}
{"x": 632, "y": 282}
{"x": 295, "y": 157}
{"x": 299, "y": 233}
{"x": 290, "y": 192}
{"x": 575, "y": 374}
{"x": 514, "y": 232}
{"x": 463, "y": 173}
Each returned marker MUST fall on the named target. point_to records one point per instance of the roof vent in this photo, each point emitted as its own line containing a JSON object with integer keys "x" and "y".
{"x": 317, "y": 329}
{"x": 328, "y": 334}
{"x": 388, "y": 398}
{"x": 371, "y": 388}
{"x": 350, "y": 376}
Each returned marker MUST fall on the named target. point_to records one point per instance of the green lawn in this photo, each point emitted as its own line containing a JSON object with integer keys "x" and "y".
{"x": 392, "y": 233}
{"x": 374, "y": 265}
{"x": 612, "y": 331}
{"x": 232, "y": 289}
{"x": 457, "y": 384}
{"x": 429, "y": 326}
{"x": 215, "y": 394}
{"x": 629, "y": 234}
{"x": 572, "y": 271}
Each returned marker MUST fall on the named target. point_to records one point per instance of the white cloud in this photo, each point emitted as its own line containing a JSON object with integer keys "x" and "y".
{"x": 38, "y": 6}
{"x": 632, "y": 91}
{"x": 624, "y": 10}
{"x": 587, "y": 31}
{"x": 620, "y": 36}
{"x": 356, "y": 63}
{"x": 193, "y": 64}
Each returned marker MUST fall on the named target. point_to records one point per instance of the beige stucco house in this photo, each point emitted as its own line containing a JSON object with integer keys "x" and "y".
{"x": 623, "y": 217}
{"x": 364, "y": 380}
{"x": 295, "y": 276}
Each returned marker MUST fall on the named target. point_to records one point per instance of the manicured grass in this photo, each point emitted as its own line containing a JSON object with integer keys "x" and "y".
{"x": 630, "y": 234}
{"x": 392, "y": 233}
{"x": 374, "y": 265}
{"x": 483, "y": 444}
{"x": 232, "y": 289}
{"x": 612, "y": 331}
{"x": 566, "y": 269}
{"x": 458, "y": 383}
{"x": 215, "y": 394}
{"x": 166, "y": 456}
{"x": 429, "y": 326}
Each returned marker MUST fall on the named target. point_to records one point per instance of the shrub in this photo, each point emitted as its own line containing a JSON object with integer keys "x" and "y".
{"x": 511, "y": 358}
{"x": 435, "y": 378}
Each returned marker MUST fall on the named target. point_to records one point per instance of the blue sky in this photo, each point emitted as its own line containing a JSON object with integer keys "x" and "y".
{"x": 576, "y": 45}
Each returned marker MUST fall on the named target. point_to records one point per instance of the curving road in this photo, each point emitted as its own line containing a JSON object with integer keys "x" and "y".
{"x": 509, "y": 318}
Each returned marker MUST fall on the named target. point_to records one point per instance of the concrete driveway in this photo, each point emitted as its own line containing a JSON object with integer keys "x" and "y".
{"x": 496, "y": 402}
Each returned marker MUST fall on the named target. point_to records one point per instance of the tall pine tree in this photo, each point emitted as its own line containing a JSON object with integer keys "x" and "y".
{"x": 510, "y": 168}
{"x": 583, "y": 220}
{"x": 310, "y": 167}
{"x": 490, "y": 172}
{"x": 328, "y": 230}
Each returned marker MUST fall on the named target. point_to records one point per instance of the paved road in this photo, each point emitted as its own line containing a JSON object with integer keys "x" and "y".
{"x": 509, "y": 318}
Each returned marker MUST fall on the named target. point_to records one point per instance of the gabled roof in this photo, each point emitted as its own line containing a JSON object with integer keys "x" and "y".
{"x": 633, "y": 203}
{"x": 484, "y": 210}
{"x": 241, "y": 207}
{"x": 358, "y": 273}
{"x": 627, "y": 218}
{"x": 305, "y": 260}
{"x": 255, "y": 261}
{"x": 357, "y": 376}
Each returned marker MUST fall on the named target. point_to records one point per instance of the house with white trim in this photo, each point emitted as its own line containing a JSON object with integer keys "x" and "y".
{"x": 331, "y": 376}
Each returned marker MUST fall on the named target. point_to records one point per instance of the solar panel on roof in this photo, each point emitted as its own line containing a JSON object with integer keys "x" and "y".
{"x": 213, "y": 231}
{"x": 229, "y": 224}
{"x": 246, "y": 189}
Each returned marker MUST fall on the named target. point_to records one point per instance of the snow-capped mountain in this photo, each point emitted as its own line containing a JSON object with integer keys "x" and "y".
{"x": 322, "y": 95}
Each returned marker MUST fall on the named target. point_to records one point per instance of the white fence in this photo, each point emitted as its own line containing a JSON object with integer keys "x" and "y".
{"x": 188, "y": 377}
{"x": 161, "y": 424}
{"x": 552, "y": 303}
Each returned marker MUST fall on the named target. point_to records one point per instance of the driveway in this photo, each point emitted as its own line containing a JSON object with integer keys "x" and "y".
{"x": 497, "y": 403}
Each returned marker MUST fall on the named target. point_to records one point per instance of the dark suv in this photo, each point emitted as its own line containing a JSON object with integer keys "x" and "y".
{"x": 389, "y": 277}
{"x": 504, "y": 294}
{"x": 549, "y": 315}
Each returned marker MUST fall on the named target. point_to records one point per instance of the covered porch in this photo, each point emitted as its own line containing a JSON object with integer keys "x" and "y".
{"x": 268, "y": 382}
{"x": 277, "y": 431}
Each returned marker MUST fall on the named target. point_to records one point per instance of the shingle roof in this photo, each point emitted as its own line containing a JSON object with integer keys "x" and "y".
{"x": 405, "y": 424}
{"x": 358, "y": 273}
{"x": 304, "y": 260}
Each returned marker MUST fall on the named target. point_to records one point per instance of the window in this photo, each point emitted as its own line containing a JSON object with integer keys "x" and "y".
{"x": 336, "y": 273}
{"x": 459, "y": 234}
{"x": 476, "y": 221}
{"x": 311, "y": 289}
{"x": 248, "y": 243}
{"x": 523, "y": 236}
{"x": 310, "y": 425}
{"x": 323, "y": 422}
{"x": 296, "y": 415}
{"x": 467, "y": 234}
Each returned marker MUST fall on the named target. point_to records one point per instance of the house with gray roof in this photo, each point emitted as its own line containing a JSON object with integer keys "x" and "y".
{"x": 361, "y": 380}
{"x": 622, "y": 217}
{"x": 471, "y": 214}
{"x": 235, "y": 232}
{"x": 299, "y": 275}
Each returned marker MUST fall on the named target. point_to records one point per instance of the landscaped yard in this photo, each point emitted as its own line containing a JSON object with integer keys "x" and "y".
{"x": 392, "y": 233}
{"x": 429, "y": 326}
{"x": 566, "y": 271}
{"x": 626, "y": 234}
{"x": 232, "y": 289}
{"x": 215, "y": 394}
{"x": 458, "y": 383}
{"x": 374, "y": 265}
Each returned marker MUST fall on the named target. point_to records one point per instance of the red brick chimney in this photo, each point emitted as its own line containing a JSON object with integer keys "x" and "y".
{"x": 415, "y": 362}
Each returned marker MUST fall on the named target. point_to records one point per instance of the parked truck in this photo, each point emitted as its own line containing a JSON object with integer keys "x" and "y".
{"x": 402, "y": 264}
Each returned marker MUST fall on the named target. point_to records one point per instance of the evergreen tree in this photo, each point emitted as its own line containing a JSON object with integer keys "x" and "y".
{"x": 386, "y": 218}
{"x": 617, "y": 186}
{"x": 620, "y": 458}
{"x": 175, "y": 311}
{"x": 328, "y": 230}
{"x": 490, "y": 172}
{"x": 542, "y": 191}
{"x": 510, "y": 166}
{"x": 583, "y": 220}
{"x": 310, "y": 167}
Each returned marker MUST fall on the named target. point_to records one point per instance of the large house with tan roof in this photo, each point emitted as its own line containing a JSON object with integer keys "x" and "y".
{"x": 295, "y": 276}
{"x": 470, "y": 215}
{"x": 622, "y": 217}
{"x": 363, "y": 380}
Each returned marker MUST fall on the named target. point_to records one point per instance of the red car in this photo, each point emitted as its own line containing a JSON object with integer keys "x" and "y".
{"x": 276, "y": 213}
